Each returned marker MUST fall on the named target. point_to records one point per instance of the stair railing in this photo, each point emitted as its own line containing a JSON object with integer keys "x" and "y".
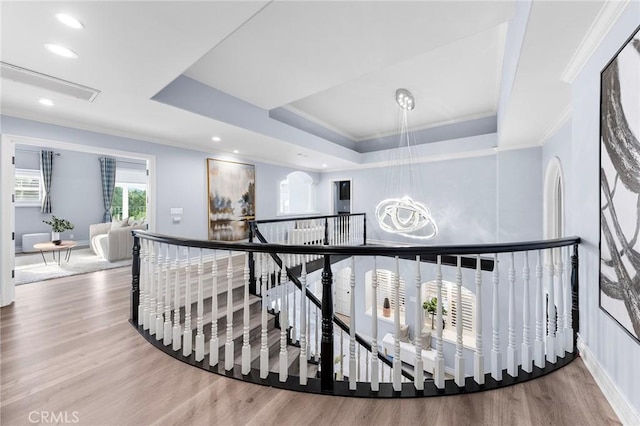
{"x": 511, "y": 322}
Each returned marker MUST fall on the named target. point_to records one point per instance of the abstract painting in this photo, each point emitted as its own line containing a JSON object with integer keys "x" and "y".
{"x": 620, "y": 187}
{"x": 231, "y": 199}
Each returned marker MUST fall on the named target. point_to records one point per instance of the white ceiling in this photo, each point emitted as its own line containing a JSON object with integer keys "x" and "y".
{"x": 336, "y": 63}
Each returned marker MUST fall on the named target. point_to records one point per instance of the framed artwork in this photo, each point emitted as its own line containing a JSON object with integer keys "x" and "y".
{"x": 620, "y": 187}
{"x": 231, "y": 189}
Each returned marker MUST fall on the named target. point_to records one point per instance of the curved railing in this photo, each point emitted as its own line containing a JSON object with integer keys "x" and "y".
{"x": 275, "y": 332}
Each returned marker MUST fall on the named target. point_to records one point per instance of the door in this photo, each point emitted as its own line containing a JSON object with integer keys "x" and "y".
{"x": 342, "y": 291}
{"x": 7, "y": 225}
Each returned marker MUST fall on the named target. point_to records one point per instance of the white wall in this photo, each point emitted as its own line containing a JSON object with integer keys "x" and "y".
{"x": 614, "y": 350}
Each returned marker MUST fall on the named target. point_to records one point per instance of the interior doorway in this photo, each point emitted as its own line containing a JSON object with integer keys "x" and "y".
{"x": 342, "y": 196}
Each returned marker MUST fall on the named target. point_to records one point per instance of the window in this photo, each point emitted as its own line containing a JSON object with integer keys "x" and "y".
{"x": 129, "y": 200}
{"x": 28, "y": 188}
{"x": 466, "y": 311}
{"x": 297, "y": 194}
{"x": 385, "y": 289}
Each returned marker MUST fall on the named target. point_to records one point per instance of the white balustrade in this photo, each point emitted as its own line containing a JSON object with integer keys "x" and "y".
{"x": 375, "y": 367}
{"x": 167, "y": 334}
{"x": 264, "y": 349}
{"x": 187, "y": 336}
{"x": 303, "y": 326}
{"x": 478, "y": 364}
{"x": 551, "y": 314}
{"x": 512, "y": 353}
{"x": 526, "y": 317}
{"x": 200, "y": 312}
{"x": 538, "y": 348}
{"x": 159, "y": 294}
{"x": 568, "y": 323}
{"x": 559, "y": 268}
{"x": 228, "y": 345}
{"x": 142, "y": 284}
{"x": 177, "y": 330}
{"x": 438, "y": 375}
{"x": 283, "y": 359}
{"x": 214, "y": 342}
{"x": 352, "y": 326}
{"x": 418, "y": 370}
{"x": 496, "y": 352}
{"x": 151, "y": 321}
{"x": 397, "y": 362}
{"x": 459, "y": 357}
{"x": 246, "y": 347}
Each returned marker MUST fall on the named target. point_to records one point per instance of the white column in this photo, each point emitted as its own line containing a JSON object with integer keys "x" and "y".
{"x": 159, "y": 296}
{"x": 551, "y": 314}
{"x": 187, "y": 337}
{"x": 526, "y": 317}
{"x": 303, "y": 325}
{"x": 228, "y": 345}
{"x": 214, "y": 342}
{"x": 478, "y": 364}
{"x": 352, "y": 328}
{"x": 283, "y": 369}
{"x": 496, "y": 354}
{"x": 512, "y": 352}
{"x": 167, "y": 301}
{"x": 459, "y": 357}
{"x": 151, "y": 319}
{"x": 418, "y": 370}
{"x": 200, "y": 311}
{"x": 397, "y": 363}
{"x": 375, "y": 381}
{"x": 264, "y": 349}
{"x": 560, "y": 342}
{"x": 177, "y": 330}
{"x": 438, "y": 376}
{"x": 246, "y": 347}
{"x": 538, "y": 346}
{"x": 568, "y": 323}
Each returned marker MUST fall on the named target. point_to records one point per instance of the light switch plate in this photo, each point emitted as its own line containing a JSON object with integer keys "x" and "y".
{"x": 176, "y": 210}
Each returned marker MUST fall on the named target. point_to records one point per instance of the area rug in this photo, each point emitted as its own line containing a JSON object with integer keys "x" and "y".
{"x": 31, "y": 268}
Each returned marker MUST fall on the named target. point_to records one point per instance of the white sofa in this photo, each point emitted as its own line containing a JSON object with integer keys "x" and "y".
{"x": 113, "y": 240}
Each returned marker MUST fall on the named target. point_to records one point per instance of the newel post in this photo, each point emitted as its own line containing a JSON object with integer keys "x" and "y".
{"x": 326, "y": 232}
{"x": 252, "y": 266}
{"x": 575, "y": 302}
{"x": 135, "y": 280}
{"x": 364, "y": 230}
{"x": 326, "y": 347}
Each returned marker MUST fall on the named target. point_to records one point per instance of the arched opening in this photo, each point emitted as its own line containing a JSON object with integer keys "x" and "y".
{"x": 297, "y": 194}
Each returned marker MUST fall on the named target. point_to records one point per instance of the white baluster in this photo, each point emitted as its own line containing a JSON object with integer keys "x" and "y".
{"x": 177, "y": 330}
{"x": 264, "y": 349}
{"x": 496, "y": 354}
{"x": 560, "y": 333}
{"x": 418, "y": 371}
{"x": 359, "y": 365}
{"x": 151, "y": 321}
{"x": 316, "y": 354}
{"x": 526, "y": 343}
{"x": 538, "y": 348}
{"x": 284, "y": 359}
{"x": 167, "y": 301}
{"x": 367, "y": 376}
{"x": 341, "y": 355}
{"x": 294, "y": 313}
{"x": 512, "y": 353}
{"x": 551, "y": 314}
{"x": 187, "y": 337}
{"x": 438, "y": 376}
{"x": 303, "y": 325}
{"x": 142, "y": 284}
{"x": 352, "y": 327}
{"x": 397, "y": 363}
{"x": 159, "y": 296}
{"x": 375, "y": 383}
{"x": 478, "y": 365}
{"x": 214, "y": 342}
{"x": 568, "y": 322}
{"x": 228, "y": 346}
{"x": 246, "y": 347}
{"x": 200, "y": 309}
{"x": 459, "y": 357}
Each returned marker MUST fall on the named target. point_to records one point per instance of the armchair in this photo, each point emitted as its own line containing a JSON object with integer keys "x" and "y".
{"x": 113, "y": 241}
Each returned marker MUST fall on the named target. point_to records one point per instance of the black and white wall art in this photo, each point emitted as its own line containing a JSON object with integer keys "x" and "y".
{"x": 620, "y": 187}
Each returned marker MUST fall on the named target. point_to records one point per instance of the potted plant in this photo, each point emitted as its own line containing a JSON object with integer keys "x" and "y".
{"x": 57, "y": 226}
{"x": 431, "y": 306}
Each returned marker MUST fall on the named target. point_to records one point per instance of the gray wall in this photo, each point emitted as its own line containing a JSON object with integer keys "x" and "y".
{"x": 461, "y": 195}
{"x": 76, "y": 193}
{"x": 180, "y": 174}
{"x": 614, "y": 350}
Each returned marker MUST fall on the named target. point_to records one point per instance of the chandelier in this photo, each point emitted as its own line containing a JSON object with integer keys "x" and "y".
{"x": 403, "y": 215}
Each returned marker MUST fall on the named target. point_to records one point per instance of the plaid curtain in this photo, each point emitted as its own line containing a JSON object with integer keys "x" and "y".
{"x": 108, "y": 173}
{"x": 46, "y": 169}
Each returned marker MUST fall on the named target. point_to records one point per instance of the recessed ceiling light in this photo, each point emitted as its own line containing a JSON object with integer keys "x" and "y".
{"x": 216, "y": 139}
{"x": 324, "y": 165}
{"x": 46, "y": 102}
{"x": 69, "y": 21}
{"x": 61, "y": 50}
{"x": 235, "y": 151}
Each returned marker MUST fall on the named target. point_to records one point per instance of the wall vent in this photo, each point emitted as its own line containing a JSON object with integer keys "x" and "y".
{"x": 47, "y": 82}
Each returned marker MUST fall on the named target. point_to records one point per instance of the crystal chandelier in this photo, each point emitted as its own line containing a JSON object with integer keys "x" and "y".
{"x": 403, "y": 215}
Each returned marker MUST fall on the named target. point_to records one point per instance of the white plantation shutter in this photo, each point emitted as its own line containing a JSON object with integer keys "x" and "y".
{"x": 449, "y": 302}
{"x": 27, "y": 187}
{"x": 385, "y": 288}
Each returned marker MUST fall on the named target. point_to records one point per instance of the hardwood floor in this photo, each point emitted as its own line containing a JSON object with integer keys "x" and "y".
{"x": 68, "y": 350}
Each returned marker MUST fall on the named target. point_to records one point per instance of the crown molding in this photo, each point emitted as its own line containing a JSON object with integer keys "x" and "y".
{"x": 608, "y": 15}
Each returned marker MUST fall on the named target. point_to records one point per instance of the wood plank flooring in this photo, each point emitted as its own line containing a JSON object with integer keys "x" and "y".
{"x": 66, "y": 347}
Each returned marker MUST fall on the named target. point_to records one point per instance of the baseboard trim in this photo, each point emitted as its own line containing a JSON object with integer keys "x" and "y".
{"x": 622, "y": 407}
